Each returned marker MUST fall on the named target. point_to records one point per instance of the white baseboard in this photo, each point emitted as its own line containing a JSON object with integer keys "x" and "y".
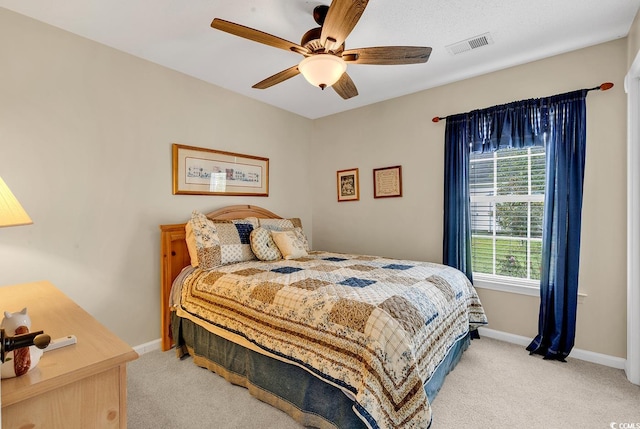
{"x": 599, "y": 358}
{"x": 149, "y": 347}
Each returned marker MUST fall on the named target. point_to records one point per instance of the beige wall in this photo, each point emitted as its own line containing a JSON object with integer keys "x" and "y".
{"x": 85, "y": 135}
{"x": 400, "y": 132}
{"x": 85, "y": 144}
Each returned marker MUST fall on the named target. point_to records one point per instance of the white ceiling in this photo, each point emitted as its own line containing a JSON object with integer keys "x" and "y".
{"x": 177, "y": 34}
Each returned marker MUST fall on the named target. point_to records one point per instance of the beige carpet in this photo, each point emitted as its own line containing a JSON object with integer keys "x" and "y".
{"x": 498, "y": 385}
{"x": 495, "y": 385}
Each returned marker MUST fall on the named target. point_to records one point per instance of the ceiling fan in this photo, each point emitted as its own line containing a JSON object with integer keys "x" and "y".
{"x": 323, "y": 47}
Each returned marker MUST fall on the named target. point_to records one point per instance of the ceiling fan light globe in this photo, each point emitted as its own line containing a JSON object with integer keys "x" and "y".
{"x": 322, "y": 69}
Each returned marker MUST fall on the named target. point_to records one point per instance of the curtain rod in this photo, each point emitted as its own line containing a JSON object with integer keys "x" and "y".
{"x": 602, "y": 87}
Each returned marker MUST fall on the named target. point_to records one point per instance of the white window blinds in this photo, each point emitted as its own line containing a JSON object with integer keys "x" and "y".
{"x": 507, "y": 197}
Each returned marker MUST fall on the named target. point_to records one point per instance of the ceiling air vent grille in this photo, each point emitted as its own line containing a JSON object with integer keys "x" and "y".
{"x": 469, "y": 44}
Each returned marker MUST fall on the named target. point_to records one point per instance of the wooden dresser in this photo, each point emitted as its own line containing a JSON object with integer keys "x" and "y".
{"x": 81, "y": 386}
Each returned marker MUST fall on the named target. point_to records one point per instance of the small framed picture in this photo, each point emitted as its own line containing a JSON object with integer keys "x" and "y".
{"x": 387, "y": 182}
{"x": 348, "y": 185}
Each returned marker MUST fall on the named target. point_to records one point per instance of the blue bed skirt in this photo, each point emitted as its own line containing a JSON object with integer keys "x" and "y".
{"x": 307, "y": 399}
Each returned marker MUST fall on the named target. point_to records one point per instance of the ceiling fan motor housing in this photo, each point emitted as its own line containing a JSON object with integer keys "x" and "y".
{"x": 311, "y": 41}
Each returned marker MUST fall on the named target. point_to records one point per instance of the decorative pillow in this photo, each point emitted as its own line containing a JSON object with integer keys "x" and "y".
{"x": 280, "y": 224}
{"x": 292, "y": 224}
{"x": 202, "y": 241}
{"x": 191, "y": 244}
{"x": 215, "y": 243}
{"x": 289, "y": 244}
{"x": 254, "y": 220}
{"x": 263, "y": 245}
{"x": 235, "y": 241}
{"x": 303, "y": 238}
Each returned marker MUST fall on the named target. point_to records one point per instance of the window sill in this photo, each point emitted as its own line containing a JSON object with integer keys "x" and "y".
{"x": 506, "y": 284}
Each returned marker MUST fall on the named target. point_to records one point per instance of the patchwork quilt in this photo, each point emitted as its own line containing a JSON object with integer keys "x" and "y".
{"x": 375, "y": 327}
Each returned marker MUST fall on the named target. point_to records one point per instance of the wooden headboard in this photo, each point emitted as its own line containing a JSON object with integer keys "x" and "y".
{"x": 175, "y": 256}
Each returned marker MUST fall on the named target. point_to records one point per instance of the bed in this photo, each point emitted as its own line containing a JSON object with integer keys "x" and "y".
{"x": 334, "y": 340}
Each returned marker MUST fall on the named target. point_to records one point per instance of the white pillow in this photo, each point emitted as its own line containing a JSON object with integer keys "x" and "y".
{"x": 289, "y": 244}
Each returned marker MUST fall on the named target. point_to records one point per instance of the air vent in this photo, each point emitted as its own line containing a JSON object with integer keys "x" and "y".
{"x": 469, "y": 44}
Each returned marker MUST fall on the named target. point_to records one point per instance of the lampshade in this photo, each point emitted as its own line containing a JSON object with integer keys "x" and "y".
{"x": 322, "y": 69}
{"x": 11, "y": 212}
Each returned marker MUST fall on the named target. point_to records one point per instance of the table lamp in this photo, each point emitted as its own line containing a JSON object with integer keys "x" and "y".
{"x": 12, "y": 214}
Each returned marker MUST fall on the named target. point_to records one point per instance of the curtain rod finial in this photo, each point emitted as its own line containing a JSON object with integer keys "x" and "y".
{"x": 436, "y": 119}
{"x": 605, "y": 86}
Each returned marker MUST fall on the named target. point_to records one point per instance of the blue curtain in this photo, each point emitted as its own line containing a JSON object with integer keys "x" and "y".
{"x": 559, "y": 123}
{"x": 457, "y": 211}
{"x": 561, "y": 226}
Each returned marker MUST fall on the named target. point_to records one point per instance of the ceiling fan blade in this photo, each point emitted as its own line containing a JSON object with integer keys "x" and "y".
{"x": 387, "y": 55}
{"x": 345, "y": 87}
{"x": 342, "y": 17}
{"x": 277, "y": 78}
{"x": 257, "y": 36}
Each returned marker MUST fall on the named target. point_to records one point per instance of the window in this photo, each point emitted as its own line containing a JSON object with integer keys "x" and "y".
{"x": 507, "y": 198}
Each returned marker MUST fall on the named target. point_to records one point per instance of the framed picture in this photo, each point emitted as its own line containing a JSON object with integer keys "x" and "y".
{"x": 348, "y": 185}
{"x": 387, "y": 182}
{"x": 199, "y": 171}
